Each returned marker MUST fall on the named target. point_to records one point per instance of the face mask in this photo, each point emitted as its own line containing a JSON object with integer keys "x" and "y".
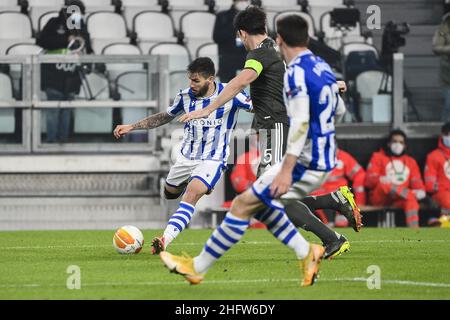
{"x": 446, "y": 141}
{"x": 239, "y": 42}
{"x": 241, "y": 5}
{"x": 76, "y": 17}
{"x": 397, "y": 148}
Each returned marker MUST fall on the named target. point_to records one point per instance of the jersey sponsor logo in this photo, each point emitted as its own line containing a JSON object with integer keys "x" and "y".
{"x": 206, "y": 122}
{"x": 397, "y": 171}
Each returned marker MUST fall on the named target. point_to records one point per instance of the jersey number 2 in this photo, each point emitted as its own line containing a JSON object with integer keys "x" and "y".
{"x": 328, "y": 97}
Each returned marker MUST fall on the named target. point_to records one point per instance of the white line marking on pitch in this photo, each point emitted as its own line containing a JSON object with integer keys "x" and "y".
{"x": 201, "y": 243}
{"x": 214, "y": 282}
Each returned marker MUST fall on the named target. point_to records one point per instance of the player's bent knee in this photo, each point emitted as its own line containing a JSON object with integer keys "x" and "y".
{"x": 170, "y": 195}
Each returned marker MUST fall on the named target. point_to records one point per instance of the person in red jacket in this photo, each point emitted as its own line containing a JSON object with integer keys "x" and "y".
{"x": 245, "y": 170}
{"x": 394, "y": 178}
{"x": 347, "y": 170}
{"x": 437, "y": 171}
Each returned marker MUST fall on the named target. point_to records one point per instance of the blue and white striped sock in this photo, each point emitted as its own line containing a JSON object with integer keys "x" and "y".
{"x": 283, "y": 229}
{"x": 222, "y": 239}
{"x": 178, "y": 222}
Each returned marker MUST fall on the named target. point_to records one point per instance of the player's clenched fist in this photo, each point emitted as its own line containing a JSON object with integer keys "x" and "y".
{"x": 122, "y": 130}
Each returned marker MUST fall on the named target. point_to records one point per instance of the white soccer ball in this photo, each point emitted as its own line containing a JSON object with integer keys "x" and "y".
{"x": 128, "y": 239}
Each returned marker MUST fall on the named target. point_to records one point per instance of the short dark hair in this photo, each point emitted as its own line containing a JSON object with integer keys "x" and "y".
{"x": 203, "y": 66}
{"x": 445, "y": 128}
{"x": 293, "y": 29}
{"x": 252, "y": 20}
{"x": 396, "y": 132}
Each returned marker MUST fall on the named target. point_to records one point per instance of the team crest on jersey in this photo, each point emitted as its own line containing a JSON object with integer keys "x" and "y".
{"x": 447, "y": 169}
{"x": 397, "y": 171}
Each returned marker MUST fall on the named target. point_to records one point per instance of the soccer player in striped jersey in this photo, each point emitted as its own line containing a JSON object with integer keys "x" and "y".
{"x": 312, "y": 101}
{"x": 205, "y": 145}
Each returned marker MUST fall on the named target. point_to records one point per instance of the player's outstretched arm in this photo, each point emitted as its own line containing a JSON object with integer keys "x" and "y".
{"x": 236, "y": 85}
{"x": 150, "y": 122}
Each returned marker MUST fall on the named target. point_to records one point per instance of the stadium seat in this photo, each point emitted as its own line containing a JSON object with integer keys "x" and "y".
{"x": 223, "y": 5}
{"x": 9, "y": 5}
{"x": 277, "y": 5}
{"x": 24, "y": 49}
{"x": 37, "y": 8}
{"x": 209, "y": 50}
{"x": 130, "y": 8}
{"x": 197, "y": 28}
{"x": 93, "y": 120}
{"x": 361, "y": 58}
{"x": 115, "y": 69}
{"x": 178, "y": 81}
{"x": 15, "y": 70}
{"x": 368, "y": 84}
{"x": 7, "y": 120}
{"x": 187, "y": 5}
{"x": 43, "y": 19}
{"x": 106, "y": 28}
{"x": 179, "y": 56}
{"x": 21, "y": 32}
{"x": 162, "y": 30}
{"x": 304, "y": 15}
{"x": 134, "y": 85}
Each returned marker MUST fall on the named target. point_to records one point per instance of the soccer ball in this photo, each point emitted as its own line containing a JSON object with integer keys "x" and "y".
{"x": 128, "y": 239}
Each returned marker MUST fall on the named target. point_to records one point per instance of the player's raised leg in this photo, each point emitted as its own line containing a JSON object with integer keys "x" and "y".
{"x": 182, "y": 216}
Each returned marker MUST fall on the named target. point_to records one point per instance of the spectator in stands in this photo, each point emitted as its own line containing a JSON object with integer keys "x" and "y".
{"x": 231, "y": 50}
{"x": 437, "y": 171}
{"x": 347, "y": 171}
{"x": 63, "y": 81}
{"x": 394, "y": 178}
{"x": 441, "y": 47}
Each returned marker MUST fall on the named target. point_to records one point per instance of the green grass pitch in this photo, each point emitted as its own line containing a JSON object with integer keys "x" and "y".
{"x": 414, "y": 264}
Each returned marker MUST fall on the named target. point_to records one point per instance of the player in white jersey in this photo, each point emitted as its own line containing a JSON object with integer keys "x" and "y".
{"x": 312, "y": 102}
{"x": 205, "y": 145}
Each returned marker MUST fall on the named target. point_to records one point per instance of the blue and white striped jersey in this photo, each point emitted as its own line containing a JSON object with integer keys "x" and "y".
{"x": 208, "y": 138}
{"x": 308, "y": 75}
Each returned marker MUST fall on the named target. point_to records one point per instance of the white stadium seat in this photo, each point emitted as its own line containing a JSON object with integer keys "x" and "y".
{"x": 9, "y": 5}
{"x": 162, "y": 29}
{"x": 15, "y": 27}
{"x": 187, "y": 5}
{"x": 368, "y": 84}
{"x": 134, "y": 85}
{"x": 179, "y": 56}
{"x": 197, "y": 28}
{"x": 130, "y": 8}
{"x": 46, "y": 3}
{"x": 223, "y": 5}
{"x": 115, "y": 69}
{"x": 178, "y": 80}
{"x": 24, "y": 49}
{"x": 309, "y": 19}
{"x": 278, "y": 5}
{"x": 44, "y": 18}
{"x": 93, "y": 120}
{"x": 211, "y": 51}
{"x": 7, "y": 120}
{"x": 106, "y": 28}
